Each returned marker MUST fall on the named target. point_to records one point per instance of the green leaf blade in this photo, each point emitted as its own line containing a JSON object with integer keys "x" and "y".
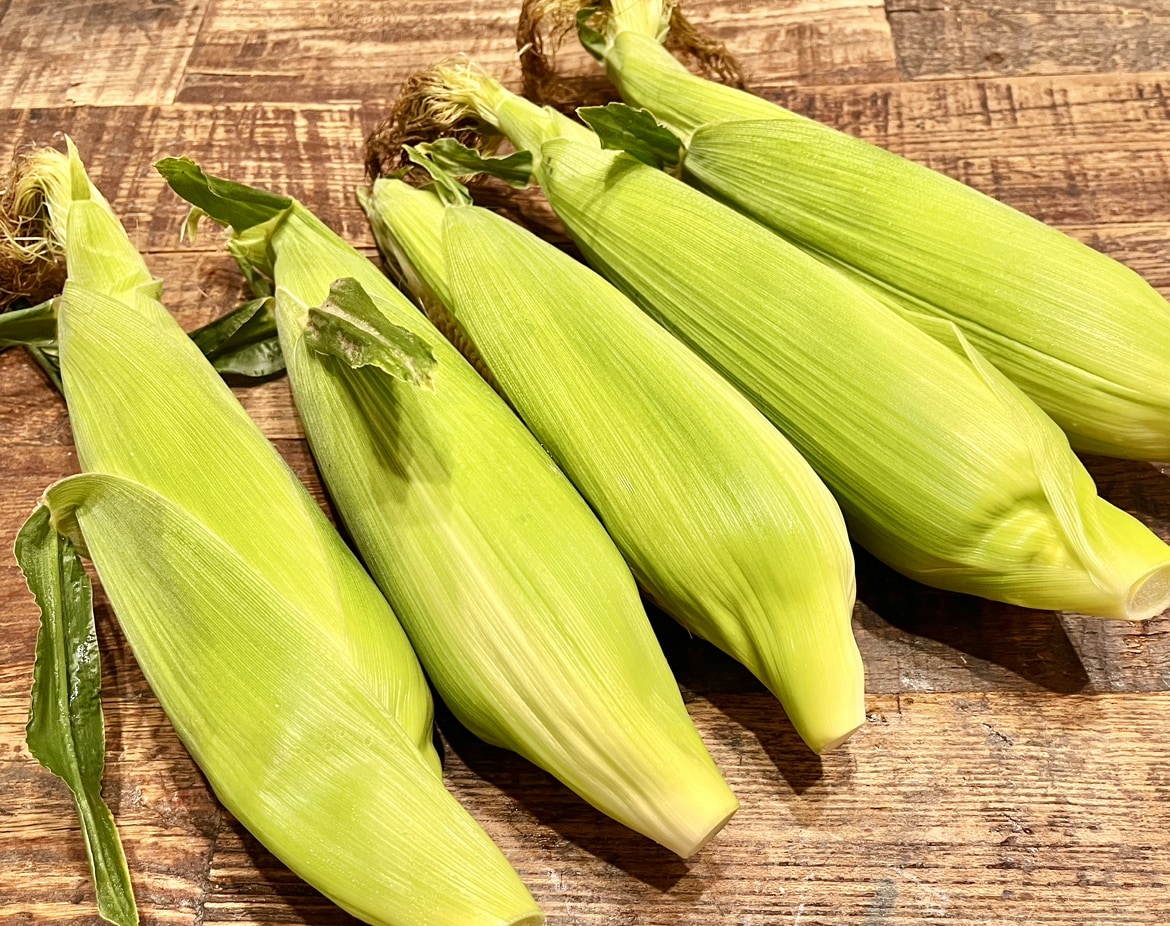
{"x": 592, "y": 40}
{"x": 452, "y": 155}
{"x": 35, "y": 326}
{"x": 350, "y": 327}
{"x": 226, "y": 202}
{"x": 65, "y": 730}
{"x": 634, "y": 131}
{"x": 244, "y": 342}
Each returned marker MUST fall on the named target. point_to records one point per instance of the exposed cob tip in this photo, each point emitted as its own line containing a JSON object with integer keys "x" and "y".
{"x": 33, "y": 205}
{"x": 442, "y": 100}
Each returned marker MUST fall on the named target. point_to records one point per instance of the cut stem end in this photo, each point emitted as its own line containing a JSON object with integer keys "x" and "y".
{"x": 1150, "y": 595}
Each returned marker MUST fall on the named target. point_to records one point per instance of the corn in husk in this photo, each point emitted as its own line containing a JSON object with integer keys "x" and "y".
{"x": 520, "y": 607}
{"x": 942, "y": 467}
{"x": 1085, "y": 337}
{"x": 724, "y": 525}
{"x": 280, "y": 665}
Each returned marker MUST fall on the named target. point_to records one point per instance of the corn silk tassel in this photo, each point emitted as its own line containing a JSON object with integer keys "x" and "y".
{"x": 519, "y": 605}
{"x": 1085, "y": 337}
{"x": 722, "y": 522}
{"x": 280, "y": 665}
{"x": 942, "y": 467}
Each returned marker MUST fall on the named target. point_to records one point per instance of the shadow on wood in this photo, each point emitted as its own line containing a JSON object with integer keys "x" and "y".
{"x": 248, "y": 878}
{"x": 1142, "y": 489}
{"x": 982, "y": 634}
{"x": 706, "y": 670}
{"x": 556, "y": 807}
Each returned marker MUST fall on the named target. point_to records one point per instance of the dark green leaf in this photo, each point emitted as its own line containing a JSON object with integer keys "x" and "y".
{"x": 226, "y": 202}
{"x": 255, "y": 361}
{"x": 32, "y": 327}
{"x": 635, "y": 131}
{"x": 65, "y": 729}
{"x": 243, "y": 342}
{"x": 591, "y": 39}
{"x": 350, "y": 327}
{"x": 452, "y": 155}
{"x": 49, "y": 361}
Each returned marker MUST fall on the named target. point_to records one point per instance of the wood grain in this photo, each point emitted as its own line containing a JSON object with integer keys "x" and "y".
{"x": 74, "y": 52}
{"x": 970, "y": 809}
{"x": 802, "y": 41}
{"x": 342, "y": 51}
{"x": 352, "y": 50}
{"x": 993, "y": 37}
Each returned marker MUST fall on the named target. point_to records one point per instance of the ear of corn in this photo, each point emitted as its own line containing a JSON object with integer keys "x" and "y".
{"x": 723, "y": 524}
{"x": 519, "y": 605}
{"x": 280, "y": 665}
{"x": 1085, "y": 337}
{"x": 941, "y": 469}
{"x": 297, "y": 748}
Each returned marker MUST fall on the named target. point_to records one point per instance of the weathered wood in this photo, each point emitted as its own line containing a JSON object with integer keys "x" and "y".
{"x": 802, "y": 41}
{"x": 993, "y": 37}
{"x": 344, "y": 51}
{"x": 353, "y": 50}
{"x": 73, "y": 52}
{"x": 967, "y": 808}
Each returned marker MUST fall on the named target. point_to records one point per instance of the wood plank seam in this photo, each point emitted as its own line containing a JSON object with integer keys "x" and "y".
{"x": 186, "y": 64}
{"x": 206, "y": 887}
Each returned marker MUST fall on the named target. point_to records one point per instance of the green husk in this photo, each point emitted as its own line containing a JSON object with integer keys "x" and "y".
{"x": 723, "y": 524}
{"x": 942, "y": 468}
{"x": 520, "y": 607}
{"x": 1085, "y": 337}
{"x": 281, "y": 667}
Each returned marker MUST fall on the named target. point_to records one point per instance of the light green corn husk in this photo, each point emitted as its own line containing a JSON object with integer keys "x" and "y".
{"x": 724, "y": 525}
{"x": 280, "y": 665}
{"x": 942, "y": 468}
{"x": 1085, "y": 337}
{"x": 520, "y": 607}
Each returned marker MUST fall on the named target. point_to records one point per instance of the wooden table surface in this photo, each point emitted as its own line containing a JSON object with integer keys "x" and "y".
{"x": 1016, "y": 765}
